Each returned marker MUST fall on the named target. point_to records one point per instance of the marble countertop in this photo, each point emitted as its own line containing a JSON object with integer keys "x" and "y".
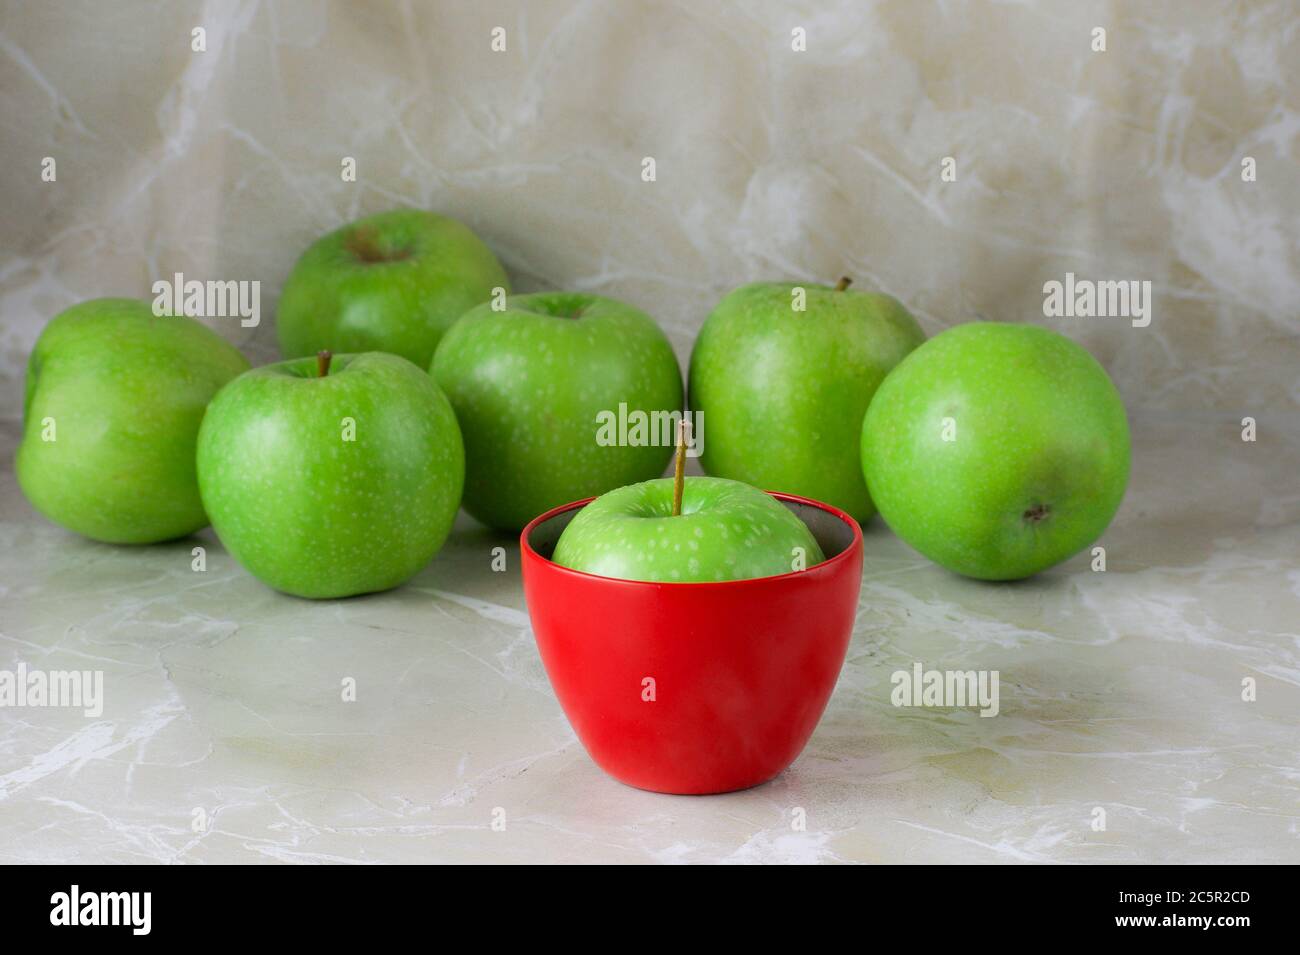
{"x": 225, "y": 737}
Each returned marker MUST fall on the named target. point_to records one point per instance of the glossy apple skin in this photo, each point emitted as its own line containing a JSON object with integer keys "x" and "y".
{"x": 1040, "y": 459}
{"x": 392, "y": 282}
{"x": 783, "y": 392}
{"x": 742, "y": 670}
{"x": 726, "y": 531}
{"x": 528, "y": 383}
{"x": 126, "y": 390}
{"x": 311, "y": 514}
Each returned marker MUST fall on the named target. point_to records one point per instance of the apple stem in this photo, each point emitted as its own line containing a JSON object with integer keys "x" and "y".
{"x": 323, "y": 363}
{"x": 679, "y": 476}
{"x": 843, "y": 283}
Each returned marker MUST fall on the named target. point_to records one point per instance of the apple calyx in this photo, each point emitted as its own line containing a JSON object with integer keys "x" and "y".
{"x": 843, "y": 283}
{"x": 679, "y": 472}
{"x": 323, "y": 363}
{"x": 1037, "y": 514}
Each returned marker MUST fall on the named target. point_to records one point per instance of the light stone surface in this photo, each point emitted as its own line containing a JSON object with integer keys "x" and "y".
{"x": 1120, "y": 690}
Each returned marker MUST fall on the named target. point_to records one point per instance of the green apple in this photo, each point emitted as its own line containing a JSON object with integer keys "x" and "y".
{"x": 390, "y": 282}
{"x": 726, "y": 530}
{"x": 532, "y": 387}
{"x": 328, "y": 485}
{"x": 997, "y": 450}
{"x": 112, "y": 408}
{"x": 783, "y": 392}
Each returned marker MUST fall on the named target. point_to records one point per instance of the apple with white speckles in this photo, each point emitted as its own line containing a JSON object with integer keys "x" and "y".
{"x": 328, "y": 478}
{"x": 393, "y": 282}
{"x": 727, "y": 530}
{"x": 114, "y": 398}
{"x": 783, "y": 392}
{"x": 531, "y": 385}
{"x": 997, "y": 450}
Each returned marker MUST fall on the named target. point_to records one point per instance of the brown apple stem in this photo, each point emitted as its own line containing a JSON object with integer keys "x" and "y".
{"x": 679, "y": 476}
{"x": 843, "y": 283}
{"x": 323, "y": 363}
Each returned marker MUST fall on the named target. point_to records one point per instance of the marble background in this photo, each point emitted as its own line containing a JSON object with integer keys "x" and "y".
{"x": 1120, "y": 689}
{"x": 770, "y": 163}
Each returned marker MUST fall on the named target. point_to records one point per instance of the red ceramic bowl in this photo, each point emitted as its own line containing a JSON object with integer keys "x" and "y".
{"x": 742, "y": 669}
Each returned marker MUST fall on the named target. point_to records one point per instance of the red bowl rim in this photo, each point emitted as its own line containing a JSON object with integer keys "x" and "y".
{"x": 824, "y": 567}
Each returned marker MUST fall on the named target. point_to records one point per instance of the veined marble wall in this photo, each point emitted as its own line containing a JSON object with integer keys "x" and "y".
{"x": 770, "y": 161}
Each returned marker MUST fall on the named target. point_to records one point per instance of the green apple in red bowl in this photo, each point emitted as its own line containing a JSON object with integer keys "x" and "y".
{"x": 690, "y": 683}
{"x": 783, "y": 391}
{"x": 725, "y": 530}
{"x": 332, "y": 478}
{"x": 534, "y": 387}
{"x": 114, "y": 398}
{"x": 997, "y": 450}
{"x": 391, "y": 282}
